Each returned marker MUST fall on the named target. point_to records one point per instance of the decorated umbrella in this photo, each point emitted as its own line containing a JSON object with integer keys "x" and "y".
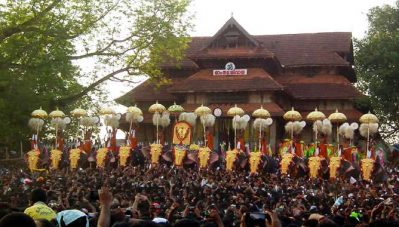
{"x": 58, "y": 120}
{"x": 370, "y": 122}
{"x": 107, "y": 112}
{"x": 133, "y": 114}
{"x": 233, "y": 112}
{"x": 78, "y": 113}
{"x": 175, "y": 110}
{"x": 203, "y": 112}
{"x": 261, "y": 114}
{"x": 37, "y": 122}
{"x": 157, "y": 109}
{"x": 315, "y": 116}
{"x": 39, "y": 113}
{"x": 337, "y": 118}
{"x": 291, "y": 116}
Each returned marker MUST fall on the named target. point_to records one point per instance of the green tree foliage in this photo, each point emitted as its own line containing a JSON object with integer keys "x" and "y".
{"x": 377, "y": 62}
{"x": 60, "y": 53}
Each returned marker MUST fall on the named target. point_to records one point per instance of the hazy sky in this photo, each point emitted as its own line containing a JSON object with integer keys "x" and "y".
{"x": 262, "y": 17}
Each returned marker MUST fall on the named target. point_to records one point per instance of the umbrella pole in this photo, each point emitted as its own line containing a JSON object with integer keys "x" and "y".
{"x": 368, "y": 136}
{"x": 260, "y": 137}
{"x": 204, "y": 136}
{"x": 157, "y": 132}
{"x": 337, "y": 137}
{"x": 56, "y": 135}
{"x": 130, "y": 131}
{"x": 235, "y": 133}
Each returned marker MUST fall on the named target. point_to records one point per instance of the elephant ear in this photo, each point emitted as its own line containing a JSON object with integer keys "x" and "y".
{"x": 243, "y": 162}
{"x": 167, "y": 156}
{"x": 192, "y": 156}
{"x": 214, "y": 157}
{"x": 146, "y": 152}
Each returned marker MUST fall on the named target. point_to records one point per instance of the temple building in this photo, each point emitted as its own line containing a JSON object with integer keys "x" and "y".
{"x": 277, "y": 72}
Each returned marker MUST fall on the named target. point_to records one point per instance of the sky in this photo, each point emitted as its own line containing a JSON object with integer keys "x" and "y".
{"x": 263, "y": 17}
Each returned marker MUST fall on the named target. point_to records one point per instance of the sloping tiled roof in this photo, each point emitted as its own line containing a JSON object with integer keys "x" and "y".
{"x": 209, "y": 53}
{"x": 273, "y": 108}
{"x": 203, "y": 81}
{"x": 293, "y": 50}
{"x": 322, "y": 91}
{"x": 147, "y": 91}
{"x": 321, "y": 86}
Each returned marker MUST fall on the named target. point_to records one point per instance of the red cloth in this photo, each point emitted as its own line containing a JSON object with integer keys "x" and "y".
{"x": 209, "y": 140}
{"x": 299, "y": 149}
{"x": 323, "y": 150}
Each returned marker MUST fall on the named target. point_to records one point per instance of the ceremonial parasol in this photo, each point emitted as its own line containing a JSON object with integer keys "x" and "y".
{"x": 232, "y": 112}
{"x": 261, "y": 113}
{"x": 368, "y": 119}
{"x": 156, "y": 108}
{"x": 315, "y": 116}
{"x": 39, "y": 113}
{"x": 292, "y": 115}
{"x": 175, "y": 110}
{"x": 337, "y": 118}
{"x": 106, "y": 112}
{"x": 57, "y": 113}
{"x": 202, "y": 111}
{"x": 133, "y": 113}
{"x": 78, "y": 112}
{"x": 57, "y": 119}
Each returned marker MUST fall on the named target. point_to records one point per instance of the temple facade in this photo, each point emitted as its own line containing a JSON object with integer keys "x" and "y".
{"x": 277, "y": 72}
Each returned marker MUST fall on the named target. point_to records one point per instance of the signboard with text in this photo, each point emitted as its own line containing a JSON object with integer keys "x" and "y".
{"x": 230, "y": 70}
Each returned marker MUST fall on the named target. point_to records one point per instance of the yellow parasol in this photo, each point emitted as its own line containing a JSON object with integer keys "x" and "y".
{"x": 78, "y": 112}
{"x": 261, "y": 113}
{"x": 232, "y": 112}
{"x": 175, "y": 108}
{"x": 368, "y": 118}
{"x": 337, "y": 118}
{"x": 39, "y": 113}
{"x": 134, "y": 110}
{"x": 156, "y": 108}
{"x": 292, "y": 115}
{"x": 57, "y": 113}
{"x": 315, "y": 116}
{"x": 106, "y": 111}
{"x": 202, "y": 110}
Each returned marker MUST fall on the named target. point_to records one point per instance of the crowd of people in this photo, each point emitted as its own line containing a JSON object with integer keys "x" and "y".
{"x": 169, "y": 196}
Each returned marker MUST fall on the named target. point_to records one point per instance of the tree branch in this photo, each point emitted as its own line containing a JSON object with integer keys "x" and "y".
{"x": 85, "y": 91}
{"x": 9, "y": 31}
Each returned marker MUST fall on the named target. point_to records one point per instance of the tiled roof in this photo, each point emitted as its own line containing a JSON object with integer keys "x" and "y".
{"x": 303, "y": 79}
{"x": 147, "y": 91}
{"x": 257, "y": 52}
{"x": 293, "y": 50}
{"x": 203, "y": 81}
{"x": 273, "y": 108}
{"x": 322, "y": 91}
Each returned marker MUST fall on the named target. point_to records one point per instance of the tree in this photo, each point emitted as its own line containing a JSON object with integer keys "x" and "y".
{"x": 60, "y": 53}
{"x": 377, "y": 65}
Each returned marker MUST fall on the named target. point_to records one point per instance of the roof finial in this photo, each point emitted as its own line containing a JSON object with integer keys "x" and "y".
{"x": 232, "y": 14}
